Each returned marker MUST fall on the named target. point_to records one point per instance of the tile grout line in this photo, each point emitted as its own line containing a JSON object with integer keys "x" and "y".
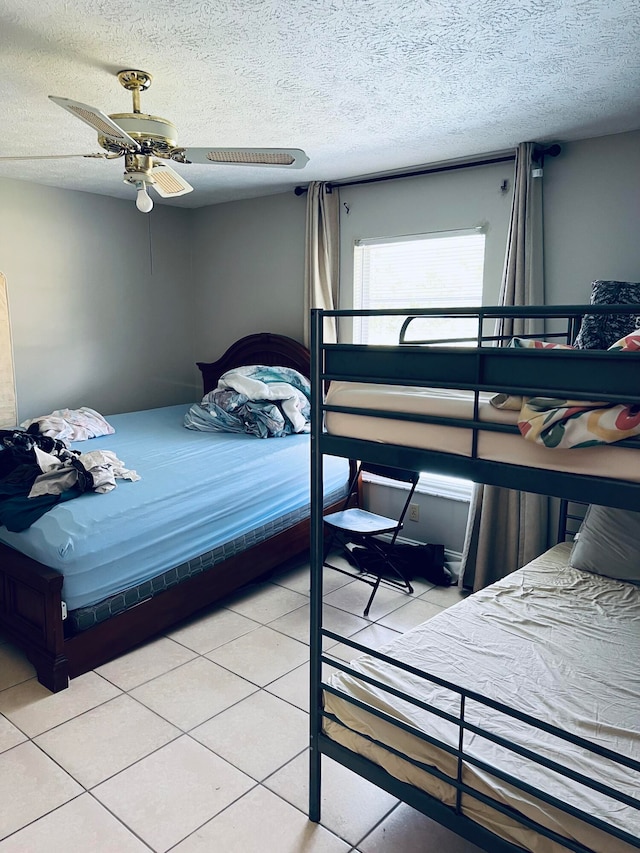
{"x": 182, "y": 732}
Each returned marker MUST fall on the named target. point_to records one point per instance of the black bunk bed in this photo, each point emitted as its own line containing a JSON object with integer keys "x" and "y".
{"x": 477, "y": 366}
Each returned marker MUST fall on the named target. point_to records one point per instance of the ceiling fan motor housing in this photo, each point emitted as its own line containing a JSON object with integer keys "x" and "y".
{"x": 155, "y": 135}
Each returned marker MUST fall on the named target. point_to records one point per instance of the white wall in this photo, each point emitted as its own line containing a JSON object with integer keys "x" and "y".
{"x": 99, "y": 298}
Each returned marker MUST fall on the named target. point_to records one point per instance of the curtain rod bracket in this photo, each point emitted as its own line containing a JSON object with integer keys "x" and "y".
{"x": 303, "y": 190}
{"x": 540, "y": 152}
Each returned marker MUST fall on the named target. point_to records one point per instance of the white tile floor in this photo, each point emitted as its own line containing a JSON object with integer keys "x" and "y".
{"x": 197, "y": 741}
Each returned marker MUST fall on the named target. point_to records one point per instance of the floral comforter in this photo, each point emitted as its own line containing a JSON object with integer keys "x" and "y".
{"x": 263, "y": 401}
{"x": 580, "y": 423}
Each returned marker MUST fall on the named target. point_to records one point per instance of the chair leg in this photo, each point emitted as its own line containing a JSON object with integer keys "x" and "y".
{"x": 392, "y": 570}
{"x": 327, "y": 547}
{"x": 373, "y": 592}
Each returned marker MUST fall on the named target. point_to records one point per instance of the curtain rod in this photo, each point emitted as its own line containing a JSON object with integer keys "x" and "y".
{"x": 428, "y": 170}
{"x": 551, "y": 151}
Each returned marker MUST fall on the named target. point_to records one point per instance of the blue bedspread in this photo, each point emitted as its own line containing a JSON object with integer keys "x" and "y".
{"x": 198, "y": 490}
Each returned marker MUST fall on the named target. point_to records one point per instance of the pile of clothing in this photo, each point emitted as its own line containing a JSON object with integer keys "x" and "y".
{"x": 38, "y": 471}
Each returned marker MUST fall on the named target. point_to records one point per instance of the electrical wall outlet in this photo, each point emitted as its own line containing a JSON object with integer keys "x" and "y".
{"x": 414, "y": 512}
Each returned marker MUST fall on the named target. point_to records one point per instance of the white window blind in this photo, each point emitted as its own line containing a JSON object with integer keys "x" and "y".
{"x": 439, "y": 270}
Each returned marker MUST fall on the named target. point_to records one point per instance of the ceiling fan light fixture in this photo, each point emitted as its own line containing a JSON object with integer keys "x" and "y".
{"x": 144, "y": 202}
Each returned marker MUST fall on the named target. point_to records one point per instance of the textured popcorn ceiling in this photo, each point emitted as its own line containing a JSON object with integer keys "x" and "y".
{"x": 362, "y": 86}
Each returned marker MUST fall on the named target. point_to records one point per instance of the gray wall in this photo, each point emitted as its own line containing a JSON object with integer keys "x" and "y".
{"x": 248, "y": 271}
{"x": 94, "y": 324}
{"x": 447, "y": 201}
{"x": 99, "y": 299}
{"x": 591, "y": 210}
{"x": 591, "y": 216}
{"x": 249, "y": 255}
{"x": 440, "y": 519}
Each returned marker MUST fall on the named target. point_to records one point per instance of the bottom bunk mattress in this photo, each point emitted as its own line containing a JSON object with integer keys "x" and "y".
{"x": 211, "y": 494}
{"x": 550, "y": 641}
{"x": 614, "y": 460}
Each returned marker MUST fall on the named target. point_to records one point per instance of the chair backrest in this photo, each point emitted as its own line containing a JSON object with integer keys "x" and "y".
{"x": 400, "y": 475}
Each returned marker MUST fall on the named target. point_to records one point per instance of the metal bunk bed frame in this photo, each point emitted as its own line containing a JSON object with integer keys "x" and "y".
{"x": 483, "y": 367}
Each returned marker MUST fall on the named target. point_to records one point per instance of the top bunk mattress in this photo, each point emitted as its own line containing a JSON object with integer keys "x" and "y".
{"x": 197, "y": 491}
{"x": 613, "y": 461}
{"x": 551, "y": 641}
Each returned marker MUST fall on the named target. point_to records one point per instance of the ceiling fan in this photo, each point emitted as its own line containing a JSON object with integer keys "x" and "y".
{"x": 146, "y": 142}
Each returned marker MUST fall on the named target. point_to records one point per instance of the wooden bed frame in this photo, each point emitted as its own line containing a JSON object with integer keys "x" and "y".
{"x": 31, "y": 604}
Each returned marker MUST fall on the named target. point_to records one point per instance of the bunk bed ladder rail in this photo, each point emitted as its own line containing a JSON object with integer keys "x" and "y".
{"x": 317, "y": 559}
{"x": 460, "y": 755}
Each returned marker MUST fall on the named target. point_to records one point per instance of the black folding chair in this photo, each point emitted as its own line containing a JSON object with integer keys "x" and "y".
{"x": 372, "y": 555}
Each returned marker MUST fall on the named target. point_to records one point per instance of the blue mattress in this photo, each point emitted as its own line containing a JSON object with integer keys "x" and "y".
{"x": 198, "y": 491}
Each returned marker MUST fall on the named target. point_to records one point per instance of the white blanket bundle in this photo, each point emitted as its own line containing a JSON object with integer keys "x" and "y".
{"x": 71, "y": 424}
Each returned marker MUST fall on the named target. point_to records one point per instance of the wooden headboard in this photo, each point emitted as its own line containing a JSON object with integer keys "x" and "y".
{"x": 262, "y": 348}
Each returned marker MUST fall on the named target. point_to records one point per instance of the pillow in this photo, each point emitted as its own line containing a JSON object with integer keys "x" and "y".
{"x": 630, "y": 342}
{"x": 514, "y": 402}
{"x": 599, "y": 331}
{"x": 531, "y": 343}
{"x": 608, "y": 543}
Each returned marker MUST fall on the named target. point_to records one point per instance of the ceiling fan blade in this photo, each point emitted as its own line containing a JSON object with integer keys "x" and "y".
{"x": 96, "y": 119}
{"x": 292, "y": 158}
{"x": 167, "y": 182}
{"x": 101, "y": 156}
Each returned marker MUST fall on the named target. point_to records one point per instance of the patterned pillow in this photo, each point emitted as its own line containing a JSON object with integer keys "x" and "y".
{"x": 530, "y": 343}
{"x": 600, "y": 331}
{"x": 514, "y": 402}
{"x": 630, "y": 343}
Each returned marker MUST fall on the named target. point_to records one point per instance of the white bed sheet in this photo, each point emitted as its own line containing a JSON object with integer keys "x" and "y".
{"x": 554, "y": 642}
{"x": 604, "y": 461}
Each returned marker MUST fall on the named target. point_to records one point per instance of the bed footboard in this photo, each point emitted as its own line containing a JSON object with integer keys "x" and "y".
{"x": 31, "y": 615}
{"x": 31, "y": 606}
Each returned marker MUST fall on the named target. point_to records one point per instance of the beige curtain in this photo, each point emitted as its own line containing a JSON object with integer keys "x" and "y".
{"x": 322, "y": 260}
{"x": 507, "y": 528}
{"x": 8, "y": 407}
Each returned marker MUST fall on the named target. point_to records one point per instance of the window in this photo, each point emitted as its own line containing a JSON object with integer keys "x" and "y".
{"x": 439, "y": 270}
